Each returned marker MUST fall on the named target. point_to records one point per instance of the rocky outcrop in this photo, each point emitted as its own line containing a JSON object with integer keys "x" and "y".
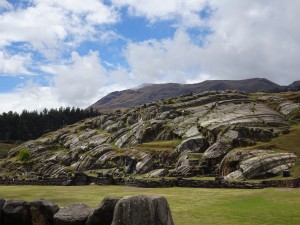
{"x": 194, "y": 144}
{"x": 145, "y": 164}
{"x": 147, "y": 210}
{"x": 288, "y": 107}
{"x": 255, "y": 163}
{"x": 76, "y": 214}
{"x": 209, "y": 123}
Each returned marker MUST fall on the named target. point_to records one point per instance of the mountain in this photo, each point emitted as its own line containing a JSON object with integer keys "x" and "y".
{"x": 295, "y": 86}
{"x": 153, "y": 92}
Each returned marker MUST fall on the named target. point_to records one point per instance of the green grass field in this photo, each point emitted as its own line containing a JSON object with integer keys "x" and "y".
{"x": 189, "y": 206}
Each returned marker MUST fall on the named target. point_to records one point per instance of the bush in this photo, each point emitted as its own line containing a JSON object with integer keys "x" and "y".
{"x": 24, "y": 155}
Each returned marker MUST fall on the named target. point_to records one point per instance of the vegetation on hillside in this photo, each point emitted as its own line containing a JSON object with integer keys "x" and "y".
{"x": 31, "y": 125}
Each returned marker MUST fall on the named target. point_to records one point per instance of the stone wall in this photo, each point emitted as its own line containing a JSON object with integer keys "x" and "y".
{"x": 82, "y": 179}
{"x": 132, "y": 210}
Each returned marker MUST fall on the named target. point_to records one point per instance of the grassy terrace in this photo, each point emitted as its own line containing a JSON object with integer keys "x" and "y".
{"x": 189, "y": 206}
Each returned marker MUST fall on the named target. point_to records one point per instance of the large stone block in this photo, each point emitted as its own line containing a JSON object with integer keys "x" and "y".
{"x": 75, "y": 214}
{"x": 143, "y": 209}
{"x": 42, "y": 212}
{"x": 104, "y": 213}
{"x": 16, "y": 213}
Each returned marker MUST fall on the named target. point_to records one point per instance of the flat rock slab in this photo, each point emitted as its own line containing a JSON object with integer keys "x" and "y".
{"x": 75, "y": 214}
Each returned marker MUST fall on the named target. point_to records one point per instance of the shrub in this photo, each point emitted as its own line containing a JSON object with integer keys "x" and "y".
{"x": 24, "y": 155}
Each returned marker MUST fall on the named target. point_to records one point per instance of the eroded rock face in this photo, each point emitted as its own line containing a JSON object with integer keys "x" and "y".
{"x": 104, "y": 213}
{"x": 76, "y": 214}
{"x": 16, "y": 212}
{"x": 146, "y": 210}
{"x": 211, "y": 123}
{"x": 255, "y": 163}
{"x": 42, "y": 212}
{"x": 145, "y": 164}
{"x": 193, "y": 144}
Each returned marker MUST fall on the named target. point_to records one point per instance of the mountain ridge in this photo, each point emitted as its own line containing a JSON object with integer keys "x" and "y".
{"x": 152, "y": 92}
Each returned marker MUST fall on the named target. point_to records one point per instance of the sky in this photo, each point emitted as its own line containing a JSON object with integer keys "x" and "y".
{"x": 57, "y": 53}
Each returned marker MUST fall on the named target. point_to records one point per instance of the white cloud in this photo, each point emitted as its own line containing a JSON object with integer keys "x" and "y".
{"x": 79, "y": 81}
{"x": 249, "y": 39}
{"x": 169, "y": 60}
{"x": 5, "y": 5}
{"x": 52, "y": 26}
{"x": 14, "y": 64}
{"x": 187, "y": 12}
{"x": 30, "y": 97}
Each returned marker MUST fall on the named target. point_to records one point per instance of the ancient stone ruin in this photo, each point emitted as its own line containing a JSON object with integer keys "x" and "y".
{"x": 132, "y": 210}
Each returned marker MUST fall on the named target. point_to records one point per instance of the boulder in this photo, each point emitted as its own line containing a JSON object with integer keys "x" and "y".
{"x": 145, "y": 164}
{"x": 143, "y": 209}
{"x": 2, "y": 202}
{"x": 104, "y": 213}
{"x": 193, "y": 144}
{"x": 42, "y": 212}
{"x": 75, "y": 214}
{"x": 16, "y": 213}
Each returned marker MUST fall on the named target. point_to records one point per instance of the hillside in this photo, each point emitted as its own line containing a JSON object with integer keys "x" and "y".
{"x": 203, "y": 134}
{"x": 153, "y": 92}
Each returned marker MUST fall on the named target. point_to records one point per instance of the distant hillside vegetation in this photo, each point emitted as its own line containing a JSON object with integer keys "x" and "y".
{"x": 153, "y": 92}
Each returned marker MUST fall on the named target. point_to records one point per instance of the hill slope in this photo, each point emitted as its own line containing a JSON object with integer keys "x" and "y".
{"x": 196, "y": 134}
{"x": 153, "y": 92}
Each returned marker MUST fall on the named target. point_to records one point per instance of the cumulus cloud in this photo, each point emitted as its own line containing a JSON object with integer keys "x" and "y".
{"x": 168, "y": 60}
{"x": 186, "y": 12}
{"x": 248, "y": 39}
{"x": 14, "y": 64}
{"x": 30, "y": 96}
{"x": 78, "y": 82}
{"x": 52, "y": 26}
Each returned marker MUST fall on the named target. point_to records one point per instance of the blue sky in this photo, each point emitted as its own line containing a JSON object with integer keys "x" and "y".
{"x": 73, "y": 52}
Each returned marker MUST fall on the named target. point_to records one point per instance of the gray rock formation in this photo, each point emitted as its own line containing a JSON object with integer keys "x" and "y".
{"x": 194, "y": 144}
{"x": 145, "y": 164}
{"x": 104, "y": 213}
{"x": 42, "y": 212}
{"x": 76, "y": 214}
{"x": 211, "y": 123}
{"x": 146, "y": 210}
{"x": 16, "y": 212}
{"x": 255, "y": 163}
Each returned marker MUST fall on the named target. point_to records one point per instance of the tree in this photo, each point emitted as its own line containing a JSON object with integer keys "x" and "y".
{"x": 24, "y": 155}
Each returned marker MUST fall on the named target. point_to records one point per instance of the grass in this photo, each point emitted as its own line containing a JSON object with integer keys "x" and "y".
{"x": 4, "y": 149}
{"x": 159, "y": 146}
{"x": 189, "y": 206}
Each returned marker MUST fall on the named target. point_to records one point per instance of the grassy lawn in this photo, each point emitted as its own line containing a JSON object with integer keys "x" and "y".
{"x": 189, "y": 206}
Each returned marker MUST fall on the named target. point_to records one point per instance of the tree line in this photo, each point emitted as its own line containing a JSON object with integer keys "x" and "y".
{"x": 31, "y": 125}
